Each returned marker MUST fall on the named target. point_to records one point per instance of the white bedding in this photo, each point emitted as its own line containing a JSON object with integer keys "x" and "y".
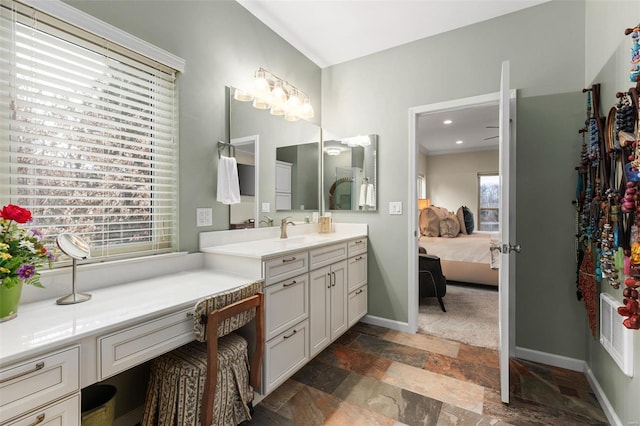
{"x": 464, "y": 248}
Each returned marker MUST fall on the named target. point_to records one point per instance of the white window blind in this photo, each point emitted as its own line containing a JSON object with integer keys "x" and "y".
{"x": 88, "y": 135}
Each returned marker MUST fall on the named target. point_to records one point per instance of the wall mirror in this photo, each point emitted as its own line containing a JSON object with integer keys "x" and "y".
{"x": 262, "y": 141}
{"x": 350, "y": 173}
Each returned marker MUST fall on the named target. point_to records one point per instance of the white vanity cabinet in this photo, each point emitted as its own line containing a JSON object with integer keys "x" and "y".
{"x": 328, "y": 306}
{"x": 286, "y": 317}
{"x": 31, "y": 390}
{"x": 357, "y": 279}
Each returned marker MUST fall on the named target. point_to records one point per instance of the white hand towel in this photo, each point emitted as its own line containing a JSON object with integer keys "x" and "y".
{"x": 371, "y": 196}
{"x": 228, "y": 183}
{"x": 363, "y": 195}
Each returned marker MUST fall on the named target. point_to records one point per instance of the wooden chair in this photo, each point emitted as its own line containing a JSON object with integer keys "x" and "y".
{"x": 212, "y": 382}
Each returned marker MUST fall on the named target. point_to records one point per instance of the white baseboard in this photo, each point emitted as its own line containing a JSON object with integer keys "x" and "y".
{"x": 384, "y": 322}
{"x": 131, "y": 418}
{"x": 574, "y": 365}
{"x": 551, "y": 359}
{"x": 602, "y": 398}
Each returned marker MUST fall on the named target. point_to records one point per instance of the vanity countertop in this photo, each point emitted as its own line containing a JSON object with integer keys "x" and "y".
{"x": 263, "y": 249}
{"x": 43, "y": 326}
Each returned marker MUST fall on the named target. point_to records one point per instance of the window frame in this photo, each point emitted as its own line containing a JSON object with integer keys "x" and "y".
{"x": 491, "y": 209}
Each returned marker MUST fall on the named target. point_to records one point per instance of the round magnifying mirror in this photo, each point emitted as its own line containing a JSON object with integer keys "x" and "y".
{"x": 74, "y": 246}
{"x": 77, "y": 249}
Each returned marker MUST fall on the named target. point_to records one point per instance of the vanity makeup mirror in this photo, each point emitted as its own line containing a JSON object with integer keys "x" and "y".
{"x": 271, "y": 139}
{"x": 350, "y": 173}
{"x": 77, "y": 249}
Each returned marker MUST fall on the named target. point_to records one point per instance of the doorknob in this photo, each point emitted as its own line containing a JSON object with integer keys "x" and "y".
{"x": 505, "y": 248}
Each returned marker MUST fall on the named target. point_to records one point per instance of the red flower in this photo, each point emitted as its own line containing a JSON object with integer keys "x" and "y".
{"x": 16, "y": 213}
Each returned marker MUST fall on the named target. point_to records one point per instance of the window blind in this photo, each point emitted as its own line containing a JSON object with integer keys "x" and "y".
{"x": 88, "y": 135}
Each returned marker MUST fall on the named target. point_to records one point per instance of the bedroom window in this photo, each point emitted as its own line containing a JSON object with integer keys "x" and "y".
{"x": 488, "y": 201}
{"x": 88, "y": 138}
{"x": 422, "y": 186}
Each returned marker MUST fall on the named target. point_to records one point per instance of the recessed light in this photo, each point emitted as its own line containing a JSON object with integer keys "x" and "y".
{"x": 459, "y": 142}
{"x": 447, "y": 122}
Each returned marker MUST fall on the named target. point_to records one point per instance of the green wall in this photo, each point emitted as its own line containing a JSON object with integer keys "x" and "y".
{"x": 223, "y": 45}
{"x": 547, "y": 68}
{"x": 608, "y": 62}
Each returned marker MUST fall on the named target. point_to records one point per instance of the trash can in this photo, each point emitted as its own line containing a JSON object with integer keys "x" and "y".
{"x": 98, "y": 405}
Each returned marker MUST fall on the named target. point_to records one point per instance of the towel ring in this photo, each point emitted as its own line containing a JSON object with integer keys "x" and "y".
{"x": 223, "y": 145}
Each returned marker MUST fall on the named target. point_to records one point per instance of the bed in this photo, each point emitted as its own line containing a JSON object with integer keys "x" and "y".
{"x": 464, "y": 257}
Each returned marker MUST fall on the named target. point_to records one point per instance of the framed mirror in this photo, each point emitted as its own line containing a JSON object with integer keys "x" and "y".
{"x": 268, "y": 139}
{"x": 350, "y": 173}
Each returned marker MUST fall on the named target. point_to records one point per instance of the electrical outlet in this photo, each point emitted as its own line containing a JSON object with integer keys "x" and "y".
{"x": 204, "y": 216}
{"x": 266, "y": 207}
{"x": 395, "y": 207}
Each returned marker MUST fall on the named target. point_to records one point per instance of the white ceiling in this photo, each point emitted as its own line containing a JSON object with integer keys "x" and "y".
{"x": 476, "y": 127}
{"x": 329, "y": 32}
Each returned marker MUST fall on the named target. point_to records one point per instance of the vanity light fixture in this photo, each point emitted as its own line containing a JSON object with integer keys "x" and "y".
{"x": 271, "y": 92}
{"x": 332, "y": 151}
{"x": 360, "y": 140}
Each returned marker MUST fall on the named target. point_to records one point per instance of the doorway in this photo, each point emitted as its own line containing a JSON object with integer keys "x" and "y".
{"x": 456, "y": 144}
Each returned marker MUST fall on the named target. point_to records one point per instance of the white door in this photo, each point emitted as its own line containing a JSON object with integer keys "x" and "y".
{"x": 507, "y": 232}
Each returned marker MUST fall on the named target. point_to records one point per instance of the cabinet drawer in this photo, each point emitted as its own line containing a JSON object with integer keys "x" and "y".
{"x": 35, "y": 383}
{"x": 327, "y": 255}
{"x": 284, "y": 267}
{"x": 357, "y": 271}
{"x": 285, "y": 354}
{"x": 357, "y": 246}
{"x": 63, "y": 413}
{"x": 287, "y": 303}
{"x": 357, "y": 305}
{"x": 124, "y": 349}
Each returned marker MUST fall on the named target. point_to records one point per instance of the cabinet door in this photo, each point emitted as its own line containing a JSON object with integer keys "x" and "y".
{"x": 287, "y": 303}
{"x": 357, "y": 304}
{"x": 338, "y": 299}
{"x": 63, "y": 413}
{"x": 283, "y": 176}
{"x": 357, "y": 272}
{"x": 285, "y": 354}
{"x": 319, "y": 308}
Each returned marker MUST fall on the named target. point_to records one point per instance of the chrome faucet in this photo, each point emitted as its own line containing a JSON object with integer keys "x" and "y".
{"x": 283, "y": 227}
{"x": 267, "y": 221}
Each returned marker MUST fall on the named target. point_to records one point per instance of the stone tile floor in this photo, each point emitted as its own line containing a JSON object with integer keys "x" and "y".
{"x": 376, "y": 376}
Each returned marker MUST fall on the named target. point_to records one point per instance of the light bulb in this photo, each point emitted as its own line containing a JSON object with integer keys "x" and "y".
{"x": 306, "y": 110}
{"x": 261, "y": 90}
{"x": 242, "y": 96}
{"x": 278, "y": 98}
{"x": 292, "y": 106}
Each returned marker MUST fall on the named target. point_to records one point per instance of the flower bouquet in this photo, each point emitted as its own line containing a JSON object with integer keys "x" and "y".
{"x": 22, "y": 252}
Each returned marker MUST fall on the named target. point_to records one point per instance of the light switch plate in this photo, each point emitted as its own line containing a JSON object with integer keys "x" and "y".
{"x": 395, "y": 207}
{"x": 266, "y": 207}
{"x": 204, "y": 216}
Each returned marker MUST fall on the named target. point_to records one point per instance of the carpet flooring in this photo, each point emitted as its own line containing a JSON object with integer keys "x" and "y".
{"x": 471, "y": 317}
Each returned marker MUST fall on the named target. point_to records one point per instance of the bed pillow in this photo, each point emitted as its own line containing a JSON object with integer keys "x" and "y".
{"x": 449, "y": 226}
{"x": 468, "y": 219}
{"x": 430, "y": 220}
{"x": 460, "y": 217}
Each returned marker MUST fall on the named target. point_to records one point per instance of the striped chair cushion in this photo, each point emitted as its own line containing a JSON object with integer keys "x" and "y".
{"x": 177, "y": 383}
{"x": 208, "y": 304}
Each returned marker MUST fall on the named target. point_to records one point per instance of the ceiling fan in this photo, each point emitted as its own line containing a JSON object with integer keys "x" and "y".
{"x": 492, "y": 137}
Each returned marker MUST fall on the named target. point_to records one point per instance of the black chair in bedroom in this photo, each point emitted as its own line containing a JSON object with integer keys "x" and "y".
{"x": 432, "y": 282}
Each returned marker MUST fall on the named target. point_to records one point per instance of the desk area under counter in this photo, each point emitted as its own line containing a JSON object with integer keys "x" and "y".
{"x": 315, "y": 287}
{"x": 50, "y": 352}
